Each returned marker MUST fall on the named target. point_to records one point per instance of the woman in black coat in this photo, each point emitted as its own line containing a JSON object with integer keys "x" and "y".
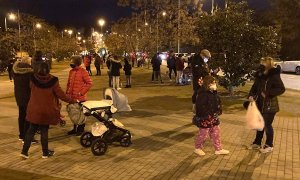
{"x": 267, "y": 86}
{"x": 115, "y": 67}
{"x": 22, "y": 71}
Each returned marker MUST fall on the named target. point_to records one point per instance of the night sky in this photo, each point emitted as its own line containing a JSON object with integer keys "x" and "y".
{"x": 81, "y": 13}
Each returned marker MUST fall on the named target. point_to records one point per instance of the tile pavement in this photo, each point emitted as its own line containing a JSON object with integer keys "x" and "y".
{"x": 162, "y": 149}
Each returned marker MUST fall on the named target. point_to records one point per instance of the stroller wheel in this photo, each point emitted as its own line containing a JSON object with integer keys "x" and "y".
{"x": 62, "y": 123}
{"x": 86, "y": 139}
{"x": 99, "y": 147}
{"x": 126, "y": 141}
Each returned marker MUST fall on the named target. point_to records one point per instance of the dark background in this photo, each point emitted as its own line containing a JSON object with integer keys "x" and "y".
{"x": 83, "y": 13}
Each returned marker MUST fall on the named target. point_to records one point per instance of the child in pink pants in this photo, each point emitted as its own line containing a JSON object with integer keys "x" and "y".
{"x": 208, "y": 109}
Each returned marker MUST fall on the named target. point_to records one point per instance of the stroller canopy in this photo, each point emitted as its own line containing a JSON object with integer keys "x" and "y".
{"x": 120, "y": 101}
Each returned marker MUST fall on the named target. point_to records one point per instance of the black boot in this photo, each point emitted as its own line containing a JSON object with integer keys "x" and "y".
{"x": 80, "y": 129}
{"x": 73, "y": 131}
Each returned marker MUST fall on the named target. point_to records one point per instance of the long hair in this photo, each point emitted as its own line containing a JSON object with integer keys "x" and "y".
{"x": 43, "y": 69}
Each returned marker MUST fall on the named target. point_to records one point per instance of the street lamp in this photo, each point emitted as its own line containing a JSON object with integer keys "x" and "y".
{"x": 101, "y": 23}
{"x": 164, "y": 13}
{"x": 12, "y": 17}
{"x": 70, "y": 32}
{"x": 36, "y": 26}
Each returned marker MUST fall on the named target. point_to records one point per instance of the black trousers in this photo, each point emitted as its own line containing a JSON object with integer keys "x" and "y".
{"x": 98, "y": 70}
{"x": 30, "y": 134}
{"x": 23, "y": 124}
{"x": 10, "y": 75}
{"x": 170, "y": 72}
{"x": 268, "y": 117}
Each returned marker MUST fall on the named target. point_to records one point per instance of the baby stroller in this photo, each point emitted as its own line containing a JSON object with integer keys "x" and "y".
{"x": 187, "y": 76}
{"x": 107, "y": 130}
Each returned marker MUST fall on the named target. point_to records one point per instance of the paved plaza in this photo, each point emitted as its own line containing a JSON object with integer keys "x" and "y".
{"x": 163, "y": 139}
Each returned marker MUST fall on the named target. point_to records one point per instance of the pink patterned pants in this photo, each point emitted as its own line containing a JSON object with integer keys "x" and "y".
{"x": 214, "y": 134}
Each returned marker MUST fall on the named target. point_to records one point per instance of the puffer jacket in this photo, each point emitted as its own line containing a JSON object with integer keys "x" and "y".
{"x": 22, "y": 73}
{"x": 208, "y": 108}
{"x": 115, "y": 67}
{"x": 43, "y": 107}
{"x": 272, "y": 86}
{"x": 79, "y": 83}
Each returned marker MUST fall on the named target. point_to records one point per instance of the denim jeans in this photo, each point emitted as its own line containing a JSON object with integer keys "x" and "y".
{"x": 30, "y": 134}
{"x": 268, "y": 117}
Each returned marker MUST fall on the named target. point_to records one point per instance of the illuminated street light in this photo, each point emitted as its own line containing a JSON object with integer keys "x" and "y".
{"x": 70, "y": 32}
{"x": 38, "y": 25}
{"x": 66, "y": 30}
{"x": 83, "y": 41}
{"x": 79, "y": 38}
{"x": 101, "y": 23}
{"x": 146, "y": 24}
{"x": 12, "y": 16}
{"x": 164, "y": 13}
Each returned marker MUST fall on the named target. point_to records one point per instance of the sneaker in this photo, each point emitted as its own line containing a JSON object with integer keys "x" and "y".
{"x": 24, "y": 155}
{"x": 119, "y": 89}
{"x": 254, "y": 147}
{"x": 50, "y": 153}
{"x": 199, "y": 152}
{"x": 266, "y": 149}
{"x": 222, "y": 152}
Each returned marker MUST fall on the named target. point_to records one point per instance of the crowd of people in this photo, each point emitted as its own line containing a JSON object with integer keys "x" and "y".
{"x": 38, "y": 92}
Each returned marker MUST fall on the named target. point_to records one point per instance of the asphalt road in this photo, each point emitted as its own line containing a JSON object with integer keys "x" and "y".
{"x": 291, "y": 81}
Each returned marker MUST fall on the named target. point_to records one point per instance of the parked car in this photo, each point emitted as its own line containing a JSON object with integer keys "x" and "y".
{"x": 289, "y": 66}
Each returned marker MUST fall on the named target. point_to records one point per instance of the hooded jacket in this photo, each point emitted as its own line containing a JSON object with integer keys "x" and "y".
{"x": 272, "y": 86}
{"x": 43, "y": 107}
{"x": 22, "y": 73}
{"x": 199, "y": 69}
{"x": 79, "y": 83}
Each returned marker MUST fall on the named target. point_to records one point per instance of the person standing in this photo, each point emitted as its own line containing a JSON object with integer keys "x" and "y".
{"x": 10, "y": 69}
{"x": 267, "y": 86}
{"x": 87, "y": 64}
{"x": 171, "y": 61}
{"x": 156, "y": 63}
{"x": 115, "y": 72}
{"x": 78, "y": 85}
{"x": 200, "y": 69}
{"x": 37, "y": 60}
{"x": 127, "y": 68}
{"x": 22, "y": 71}
{"x": 43, "y": 108}
{"x": 179, "y": 68}
{"x": 208, "y": 110}
{"x": 97, "y": 64}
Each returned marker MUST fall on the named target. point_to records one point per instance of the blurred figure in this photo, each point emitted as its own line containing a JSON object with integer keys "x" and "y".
{"x": 97, "y": 64}
{"x": 156, "y": 63}
{"x": 87, "y": 63}
{"x": 10, "y": 69}
{"x": 115, "y": 72}
{"x": 171, "y": 61}
{"x": 127, "y": 69}
{"x": 37, "y": 60}
{"x": 179, "y": 68}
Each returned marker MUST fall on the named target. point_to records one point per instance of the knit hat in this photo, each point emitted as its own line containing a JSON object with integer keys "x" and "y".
{"x": 76, "y": 60}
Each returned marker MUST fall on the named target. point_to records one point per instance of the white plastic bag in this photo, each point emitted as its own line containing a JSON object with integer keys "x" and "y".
{"x": 255, "y": 120}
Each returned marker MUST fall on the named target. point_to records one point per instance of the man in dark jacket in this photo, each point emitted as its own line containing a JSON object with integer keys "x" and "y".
{"x": 267, "y": 86}
{"x": 22, "y": 72}
{"x": 156, "y": 62}
{"x": 171, "y": 61}
{"x": 115, "y": 72}
{"x": 200, "y": 70}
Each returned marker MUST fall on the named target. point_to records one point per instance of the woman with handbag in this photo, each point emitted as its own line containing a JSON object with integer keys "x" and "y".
{"x": 267, "y": 86}
{"x": 79, "y": 83}
{"x": 208, "y": 109}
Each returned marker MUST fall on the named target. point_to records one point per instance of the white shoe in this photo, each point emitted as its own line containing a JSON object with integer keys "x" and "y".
{"x": 266, "y": 149}
{"x": 254, "y": 147}
{"x": 199, "y": 152}
{"x": 119, "y": 88}
{"x": 222, "y": 152}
